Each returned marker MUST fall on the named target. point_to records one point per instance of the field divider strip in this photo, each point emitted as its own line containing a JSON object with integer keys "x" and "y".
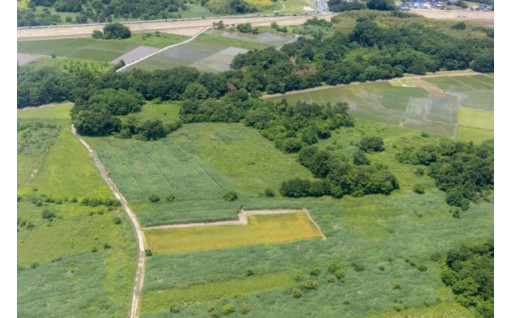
{"x": 164, "y": 49}
{"x": 139, "y": 275}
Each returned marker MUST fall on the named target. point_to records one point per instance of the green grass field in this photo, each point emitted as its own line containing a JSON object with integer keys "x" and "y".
{"x": 262, "y": 229}
{"x": 198, "y": 164}
{"x": 445, "y": 310}
{"x": 78, "y": 262}
{"x": 375, "y": 230}
{"x": 156, "y": 300}
{"x": 166, "y": 112}
{"x": 475, "y": 125}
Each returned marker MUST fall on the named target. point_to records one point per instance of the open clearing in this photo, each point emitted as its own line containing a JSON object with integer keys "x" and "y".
{"x": 261, "y": 229}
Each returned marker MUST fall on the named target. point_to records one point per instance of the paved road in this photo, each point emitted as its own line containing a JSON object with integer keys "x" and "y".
{"x": 139, "y": 275}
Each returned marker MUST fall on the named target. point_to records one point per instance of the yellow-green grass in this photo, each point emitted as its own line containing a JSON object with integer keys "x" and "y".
{"x": 262, "y": 229}
{"x": 261, "y": 3}
{"x": 475, "y": 135}
{"x": 22, "y": 4}
{"x": 156, "y": 300}
{"x": 55, "y": 112}
{"x": 444, "y": 310}
{"x": 68, "y": 171}
{"x": 476, "y": 118}
{"x": 475, "y": 125}
{"x": 166, "y": 112}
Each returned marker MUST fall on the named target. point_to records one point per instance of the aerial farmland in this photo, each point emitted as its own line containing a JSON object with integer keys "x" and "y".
{"x": 340, "y": 166}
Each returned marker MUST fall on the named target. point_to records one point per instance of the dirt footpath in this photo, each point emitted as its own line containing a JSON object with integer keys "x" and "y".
{"x": 182, "y": 27}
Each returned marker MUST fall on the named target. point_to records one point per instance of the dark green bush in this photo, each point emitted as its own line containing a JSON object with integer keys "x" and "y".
{"x": 230, "y": 196}
{"x": 154, "y": 198}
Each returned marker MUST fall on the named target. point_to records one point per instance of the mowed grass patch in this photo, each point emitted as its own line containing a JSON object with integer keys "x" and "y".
{"x": 68, "y": 171}
{"x": 262, "y": 229}
{"x": 476, "y": 118}
{"x": 157, "y": 300}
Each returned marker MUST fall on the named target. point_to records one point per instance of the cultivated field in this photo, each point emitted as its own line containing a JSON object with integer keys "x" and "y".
{"x": 72, "y": 259}
{"x": 213, "y": 51}
{"x": 262, "y": 229}
{"x": 96, "y": 50}
{"x": 427, "y": 103}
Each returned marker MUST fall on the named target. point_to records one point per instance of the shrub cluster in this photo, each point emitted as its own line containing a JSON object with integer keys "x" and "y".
{"x": 93, "y": 202}
{"x": 469, "y": 272}
{"x": 462, "y": 170}
{"x": 338, "y": 177}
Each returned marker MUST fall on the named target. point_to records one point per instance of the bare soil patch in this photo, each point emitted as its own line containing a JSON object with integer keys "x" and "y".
{"x": 24, "y": 58}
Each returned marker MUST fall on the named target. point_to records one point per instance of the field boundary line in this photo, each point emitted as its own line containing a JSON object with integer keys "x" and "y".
{"x": 243, "y": 219}
{"x": 139, "y": 275}
{"x": 164, "y": 49}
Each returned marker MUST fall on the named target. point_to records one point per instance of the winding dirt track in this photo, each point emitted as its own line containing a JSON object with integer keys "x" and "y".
{"x": 139, "y": 275}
